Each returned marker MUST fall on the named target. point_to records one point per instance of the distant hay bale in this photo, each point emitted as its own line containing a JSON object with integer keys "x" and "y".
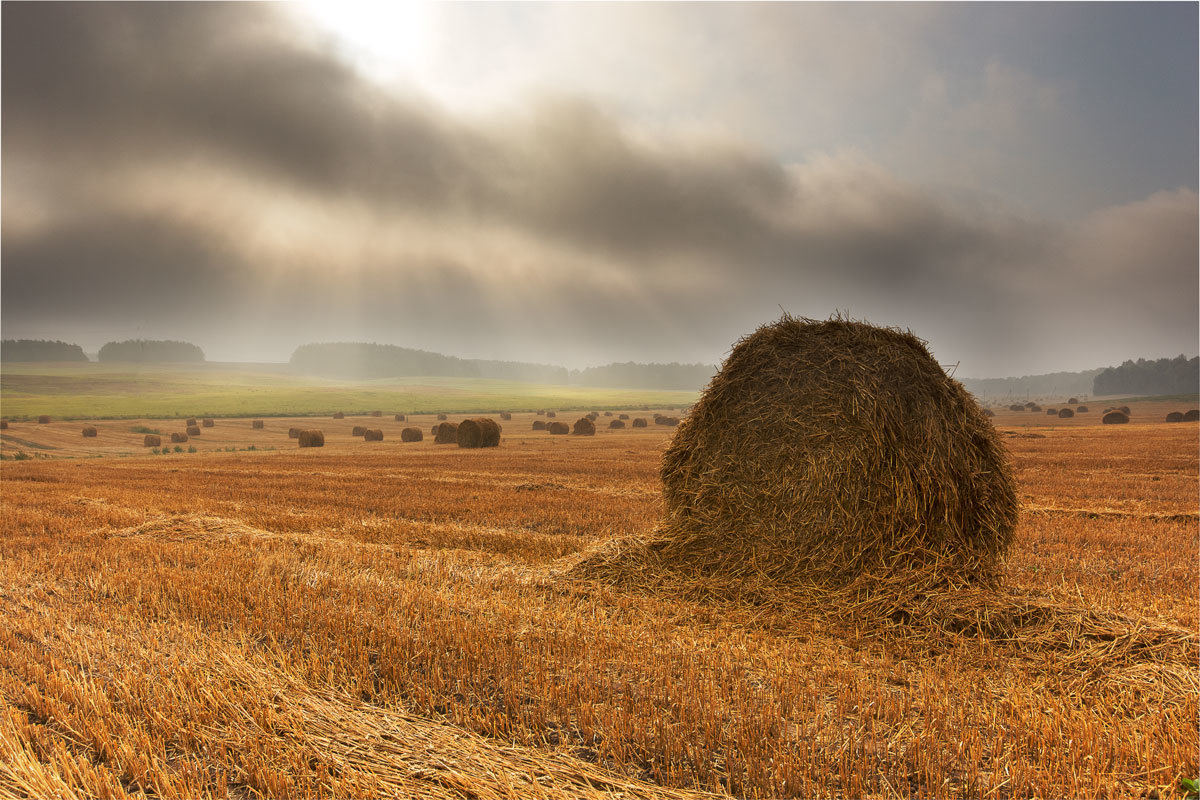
{"x": 339, "y": 415}
{"x": 3, "y": 424}
{"x": 608, "y": 413}
{"x": 584, "y": 427}
{"x": 478, "y": 432}
{"x": 151, "y": 440}
{"x": 257, "y": 424}
{"x": 193, "y": 430}
{"x": 616, "y": 424}
{"x": 441, "y": 416}
{"x": 504, "y": 415}
{"x": 208, "y": 423}
{"x": 311, "y": 438}
{"x": 623, "y": 416}
{"x": 541, "y": 412}
{"x": 821, "y": 453}
{"x": 1050, "y": 412}
{"x": 1174, "y": 416}
{"x": 1031, "y": 405}
{"x": 1065, "y": 413}
{"x": 401, "y": 418}
{"x": 178, "y": 438}
{"x": 411, "y": 435}
{"x": 1192, "y": 416}
{"x": 1074, "y": 401}
{"x": 539, "y": 425}
{"x": 447, "y": 433}
{"x": 670, "y": 422}
{"x": 1016, "y": 407}
{"x": 376, "y": 413}
{"x": 359, "y": 430}
{"x": 551, "y": 414}
{"x": 1105, "y": 411}
{"x": 373, "y": 435}
{"x": 190, "y": 422}
{"x": 640, "y": 422}
{"x": 558, "y": 428}
{"x": 1081, "y": 409}
{"x": 1115, "y": 418}
{"x": 1125, "y": 410}
{"x": 433, "y": 431}
{"x": 44, "y": 419}
{"x": 293, "y": 433}
{"x": 987, "y": 412}
{"x": 90, "y": 432}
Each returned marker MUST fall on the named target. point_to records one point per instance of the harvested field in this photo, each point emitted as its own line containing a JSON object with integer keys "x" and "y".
{"x": 234, "y": 624}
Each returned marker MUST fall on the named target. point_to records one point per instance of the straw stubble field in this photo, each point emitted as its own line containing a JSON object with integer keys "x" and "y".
{"x": 389, "y": 619}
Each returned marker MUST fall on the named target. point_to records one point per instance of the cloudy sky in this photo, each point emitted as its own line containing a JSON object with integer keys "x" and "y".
{"x": 579, "y": 184}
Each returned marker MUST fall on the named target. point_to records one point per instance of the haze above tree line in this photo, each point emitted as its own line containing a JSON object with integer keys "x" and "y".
{"x": 371, "y": 361}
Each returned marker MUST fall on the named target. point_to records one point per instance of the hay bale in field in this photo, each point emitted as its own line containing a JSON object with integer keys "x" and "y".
{"x": 1174, "y": 416}
{"x": 987, "y": 412}
{"x": 505, "y": 416}
{"x": 339, "y": 415}
{"x": 1016, "y": 407}
{"x": 44, "y": 419}
{"x": 373, "y": 435}
{"x": 608, "y": 413}
{"x": 616, "y": 424}
{"x": 1081, "y": 409}
{"x": 670, "y": 422}
{"x": 1036, "y": 409}
{"x": 551, "y": 414}
{"x": 541, "y": 412}
{"x": 401, "y": 418}
{"x": 151, "y": 440}
{"x": 411, "y": 435}
{"x": 820, "y": 453}
{"x": 1065, "y": 413}
{"x": 446, "y": 433}
{"x": 190, "y": 422}
{"x": 90, "y": 432}
{"x": 193, "y": 430}
{"x": 623, "y": 416}
{"x": 558, "y": 428}
{"x": 1050, "y": 412}
{"x": 3, "y": 424}
{"x": 311, "y": 438}
{"x": 359, "y": 430}
{"x": 1031, "y": 405}
{"x": 1125, "y": 410}
{"x": 441, "y": 416}
{"x": 293, "y": 433}
{"x": 539, "y": 425}
{"x": 478, "y": 432}
{"x": 257, "y": 424}
{"x": 1115, "y": 418}
{"x": 640, "y": 422}
{"x": 1073, "y": 401}
{"x": 376, "y": 413}
{"x": 208, "y": 423}
{"x": 584, "y": 426}
{"x": 1192, "y": 416}
{"x": 178, "y": 438}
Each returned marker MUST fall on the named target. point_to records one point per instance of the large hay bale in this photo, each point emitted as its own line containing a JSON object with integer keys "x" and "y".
{"x": 189, "y": 422}
{"x": 257, "y": 424}
{"x": 339, "y": 415}
{"x": 90, "y": 432}
{"x": 1035, "y": 409}
{"x": 623, "y": 416}
{"x": 615, "y": 424}
{"x": 44, "y": 419}
{"x": 551, "y": 414}
{"x": 558, "y": 428}
{"x": 373, "y": 435}
{"x": 150, "y": 440}
{"x": 401, "y": 418}
{"x": 1115, "y": 418}
{"x": 311, "y": 438}
{"x": 640, "y": 422}
{"x": 1192, "y": 415}
{"x": 293, "y": 433}
{"x": 1081, "y": 409}
{"x": 826, "y": 451}
{"x": 178, "y": 438}
{"x": 1050, "y": 412}
{"x": 208, "y": 423}
{"x": 504, "y": 415}
{"x": 411, "y": 435}
{"x": 193, "y": 430}
{"x": 1125, "y": 410}
{"x": 359, "y": 430}
{"x": 478, "y": 432}
{"x": 584, "y": 427}
{"x": 1174, "y": 416}
{"x": 1065, "y": 413}
{"x": 539, "y": 424}
{"x": 441, "y": 416}
{"x": 446, "y": 433}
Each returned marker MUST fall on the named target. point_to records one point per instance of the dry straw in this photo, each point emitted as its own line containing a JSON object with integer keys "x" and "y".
{"x": 208, "y": 423}
{"x": 1125, "y": 410}
{"x": 401, "y": 418}
{"x": 339, "y": 415}
{"x": 411, "y": 435}
{"x": 151, "y": 440}
{"x": 376, "y": 413}
{"x": 178, "y": 438}
{"x": 640, "y": 422}
{"x": 478, "y": 432}
{"x": 539, "y": 425}
{"x": 373, "y": 435}
{"x": 190, "y": 422}
{"x": 1115, "y": 418}
{"x": 193, "y": 430}
{"x": 441, "y": 416}
{"x": 89, "y": 431}
{"x": 584, "y": 427}
{"x": 1050, "y": 412}
{"x": 504, "y": 415}
{"x": 44, "y": 419}
{"x": 623, "y": 416}
{"x": 558, "y": 428}
{"x": 824, "y": 451}
{"x": 3, "y": 424}
{"x": 1081, "y": 409}
{"x": 1192, "y": 416}
{"x": 293, "y": 433}
{"x": 616, "y": 423}
{"x": 1174, "y": 416}
{"x": 1074, "y": 401}
{"x": 311, "y": 439}
{"x": 257, "y": 424}
{"x": 1065, "y": 413}
{"x": 359, "y": 430}
{"x": 446, "y": 433}
{"x": 551, "y": 414}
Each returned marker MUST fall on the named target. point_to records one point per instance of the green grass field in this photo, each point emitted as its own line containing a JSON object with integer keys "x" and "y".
{"x": 128, "y": 391}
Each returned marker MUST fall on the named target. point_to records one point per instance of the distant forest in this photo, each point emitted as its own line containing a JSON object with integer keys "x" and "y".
{"x": 1052, "y": 383}
{"x": 1179, "y": 375}
{"x": 40, "y": 350}
{"x": 688, "y": 377}
{"x": 150, "y": 350}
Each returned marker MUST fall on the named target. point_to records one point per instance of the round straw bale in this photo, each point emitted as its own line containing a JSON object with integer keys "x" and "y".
{"x": 1031, "y": 405}
{"x": 558, "y": 428}
{"x": 257, "y": 424}
{"x": 44, "y": 419}
{"x": 639, "y": 422}
{"x": 670, "y": 422}
{"x": 411, "y": 435}
{"x": 1016, "y": 407}
{"x": 359, "y": 430}
{"x": 178, "y": 438}
{"x": 1105, "y": 411}
{"x": 1174, "y": 416}
{"x": 478, "y": 432}
{"x": 151, "y": 440}
{"x": 1115, "y": 418}
{"x": 1192, "y": 416}
{"x": 373, "y": 435}
{"x": 1125, "y": 410}
{"x": 89, "y": 431}
{"x": 401, "y": 418}
{"x": 193, "y": 430}
{"x": 551, "y": 414}
{"x": 541, "y": 412}
{"x": 376, "y": 413}
{"x": 311, "y": 438}
{"x": 593, "y": 416}
{"x": 190, "y": 422}
{"x": 1081, "y": 409}
{"x": 539, "y": 425}
{"x": 987, "y": 412}
{"x": 504, "y": 415}
{"x": 608, "y": 413}
{"x": 1065, "y": 413}
{"x": 1036, "y": 408}
{"x": 339, "y": 415}
{"x": 584, "y": 427}
{"x": 1050, "y": 412}
{"x": 1074, "y": 401}
{"x": 208, "y": 423}
{"x": 447, "y": 433}
{"x": 623, "y": 416}
{"x": 826, "y": 451}
{"x": 293, "y": 433}
{"x": 616, "y": 423}
{"x": 441, "y": 416}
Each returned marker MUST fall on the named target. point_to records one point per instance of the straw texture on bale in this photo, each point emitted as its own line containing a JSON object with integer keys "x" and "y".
{"x": 359, "y": 430}
{"x": 822, "y": 452}
{"x": 293, "y": 433}
{"x": 478, "y": 432}
{"x": 1065, "y": 413}
{"x": 1125, "y": 410}
{"x": 539, "y": 424}
{"x": 558, "y": 428}
{"x": 1080, "y": 409}
{"x": 311, "y": 439}
{"x": 616, "y": 423}
{"x": 1016, "y": 407}
{"x": 584, "y": 427}
{"x": 1073, "y": 401}
{"x": 446, "y": 433}
{"x": 1035, "y": 408}
{"x": 257, "y": 424}
{"x": 593, "y": 416}
{"x": 373, "y": 435}
{"x": 190, "y": 422}
{"x": 1192, "y": 416}
{"x": 1115, "y": 418}
{"x": 151, "y": 440}
{"x": 640, "y": 422}
{"x": 1051, "y": 412}
{"x": 339, "y": 415}
{"x": 551, "y": 414}
{"x": 401, "y": 418}
{"x": 541, "y": 412}
{"x": 608, "y": 413}
{"x": 89, "y": 431}
{"x": 623, "y": 416}
{"x": 441, "y": 416}
{"x": 208, "y": 423}
{"x": 412, "y": 435}
{"x": 1031, "y": 405}
{"x": 1174, "y": 416}
{"x": 44, "y": 419}
{"x": 504, "y": 415}
{"x": 193, "y": 430}
{"x": 178, "y": 438}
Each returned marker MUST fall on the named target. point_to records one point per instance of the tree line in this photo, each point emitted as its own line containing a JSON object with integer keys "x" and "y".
{"x": 1179, "y": 375}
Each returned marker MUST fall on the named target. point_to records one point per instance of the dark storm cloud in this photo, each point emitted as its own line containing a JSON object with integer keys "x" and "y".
{"x": 210, "y": 153}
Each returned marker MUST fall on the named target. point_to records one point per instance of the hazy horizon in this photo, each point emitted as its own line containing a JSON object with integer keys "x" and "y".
{"x": 585, "y": 184}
